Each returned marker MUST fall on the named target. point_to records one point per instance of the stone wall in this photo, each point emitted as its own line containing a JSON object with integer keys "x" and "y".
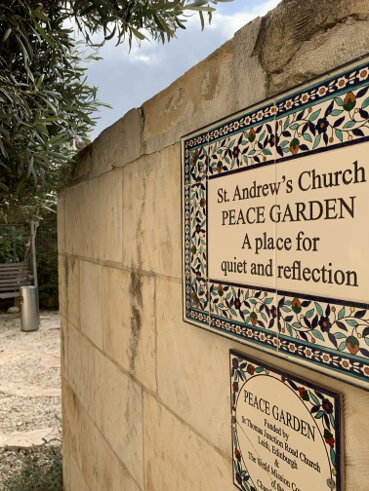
{"x": 146, "y": 396}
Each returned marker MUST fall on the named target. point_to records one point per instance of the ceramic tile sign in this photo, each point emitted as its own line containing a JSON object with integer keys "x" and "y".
{"x": 275, "y": 225}
{"x": 285, "y": 431}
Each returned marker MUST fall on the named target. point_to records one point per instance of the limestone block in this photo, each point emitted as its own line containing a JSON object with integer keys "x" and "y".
{"x": 93, "y": 218}
{"x": 76, "y": 478}
{"x": 61, "y": 224}
{"x": 176, "y": 458}
{"x": 293, "y": 22}
{"x": 248, "y": 73}
{"x": 66, "y": 463}
{"x": 202, "y": 95}
{"x": 80, "y": 369}
{"x": 152, "y": 213}
{"x": 119, "y": 144}
{"x": 83, "y": 163}
{"x": 69, "y": 289}
{"x": 356, "y": 430}
{"x": 62, "y": 287}
{"x": 193, "y": 375}
{"x": 118, "y": 401}
{"x": 114, "y": 147}
{"x": 325, "y": 51}
{"x": 129, "y": 322}
{"x": 72, "y": 284}
{"x": 72, "y": 422}
{"x": 102, "y": 469}
{"x": 91, "y": 301}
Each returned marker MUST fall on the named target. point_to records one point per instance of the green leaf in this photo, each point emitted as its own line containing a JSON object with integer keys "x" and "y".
{"x": 365, "y": 103}
{"x": 318, "y": 308}
{"x": 339, "y": 134}
{"x": 317, "y": 140}
{"x": 313, "y": 116}
{"x": 349, "y": 124}
{"x": 266, "y": 151}
{"x": 342, "y": 346}
{"x": 314, "y": 398}
{"x": 310, "y": 313}
{"x": 268, "y": 300}
{"x": 336, "y": 112}
{"x": 318, "y": 334}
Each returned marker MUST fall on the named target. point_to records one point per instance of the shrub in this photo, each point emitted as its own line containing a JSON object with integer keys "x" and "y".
{"x": 41, "y": 470}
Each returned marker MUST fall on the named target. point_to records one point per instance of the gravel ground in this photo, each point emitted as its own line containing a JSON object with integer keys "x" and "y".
{"x": 29, "y": 362}
{"x": 26, "y": 414}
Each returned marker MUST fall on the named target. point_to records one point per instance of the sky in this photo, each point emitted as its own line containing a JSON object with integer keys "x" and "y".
{"x": 127, "y": 79}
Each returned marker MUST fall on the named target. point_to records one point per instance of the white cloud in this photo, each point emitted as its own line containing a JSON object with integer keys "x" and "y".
{"x": 126, "y": 79}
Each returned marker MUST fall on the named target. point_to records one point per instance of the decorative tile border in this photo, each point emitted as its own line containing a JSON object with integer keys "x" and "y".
{"x": 340, "y": 119}
{"x": 327, "y": 334}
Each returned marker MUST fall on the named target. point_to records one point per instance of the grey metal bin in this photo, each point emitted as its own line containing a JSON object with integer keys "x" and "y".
{"x": 30, "y": 317}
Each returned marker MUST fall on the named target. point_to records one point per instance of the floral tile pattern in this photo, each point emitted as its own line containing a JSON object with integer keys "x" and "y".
{"x": 251, "y": 146}
{"x": 195, "y": 255}
{"x": 318, "y": 127}
{"x": 325, "y": 333}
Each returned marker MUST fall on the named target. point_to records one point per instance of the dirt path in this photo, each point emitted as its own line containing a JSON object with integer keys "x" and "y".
{"x": 30, "y": 406}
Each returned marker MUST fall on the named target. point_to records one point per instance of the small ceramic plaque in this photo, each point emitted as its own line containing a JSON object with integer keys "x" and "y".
{"x": 285, "y": 431}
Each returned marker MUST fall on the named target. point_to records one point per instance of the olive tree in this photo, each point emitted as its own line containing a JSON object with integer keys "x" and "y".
{"x": 46, "y": 104}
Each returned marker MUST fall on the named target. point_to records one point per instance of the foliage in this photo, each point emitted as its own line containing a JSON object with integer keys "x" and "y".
{"x": 157, "y": 19}
{"x": 46, "y": 105}
{"x": 47, "y": 271}
{"x": 13, "y": 244}
{"x": 47, "y": 262}
{"x": 41, "y": 470}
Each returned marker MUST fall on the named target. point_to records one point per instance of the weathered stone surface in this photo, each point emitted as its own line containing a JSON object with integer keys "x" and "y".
{"x": 66, "y": 463}
{"x": 93, "y": 214}
{"x": 114, "y": 147}
{"x": 119, "y": 144}
{"x": 62, "y": 288}
{"x": 101, "y": 467}
{"x": 61, "y": 224}
{"x": 72, "y": 422}
{"x": 178, "y": 459}
{"x": 80, "y": 369}
{"x": 192, "y": 369}
{"x": 129, "y": 322}
{"x": 77, "y": 481}
{"x": 69, "y": 297}
{"x": 202, "y": 95}
{"x": 118, "y": 402}
{"x": 340, "y": 44}
{"x": 293, "y": 23}
{"x": 249, "y": 76}
{"x": 152, "y": 213}
{"x": 91, "y": 301}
